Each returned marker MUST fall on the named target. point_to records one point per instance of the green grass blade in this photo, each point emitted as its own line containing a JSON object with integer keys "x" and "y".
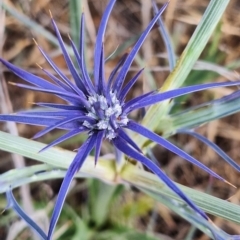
{"x": 55, "y": 157}
{"x": 75, "y": 13}
{"x": 198, "y": 116}
{"x": 208, "y": 203}
{"x": 105, "y": 170}
{"x": 186, "y": 61}
{"x": 196, "y": 44}
{"x": 104, "y": 194}
{"x": 181, "y": 209}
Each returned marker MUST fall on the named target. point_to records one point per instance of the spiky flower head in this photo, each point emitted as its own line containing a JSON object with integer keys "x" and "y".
{"x": 98, "y": 108}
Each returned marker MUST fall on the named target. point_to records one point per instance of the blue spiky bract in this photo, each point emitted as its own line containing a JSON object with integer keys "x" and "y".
{"x": 98, "y": 108}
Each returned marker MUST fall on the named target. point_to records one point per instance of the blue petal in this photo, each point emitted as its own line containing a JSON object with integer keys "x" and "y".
{"x": 115, "y": 70}
{"x": 112, "y": 122}
{"x": 57, "y": 81}
{"x": 100, "y": 136}
{"x": 122, "y": 146}
{"x": 37, "y": 81}
{"x": 128, "y": 86}
{"x": 58, "y": 106}
{"x": 126, "y": 138}
{"x": 59, "y": 72}
{"x": 136, "y": 100}
{"x": 99, "y": 40}
{"x": 64, "y": 137}
{"x": 76, "y": 164}
{"x": 13, "y": 204}
{"x": 52, "y": 113}
{"x": 99, "y": 112}
{"x": 149, "y": 100}
{"x": 62, "y": 123}
{"x": 68, "y": 59}
{"x": 101, "y": 81}
{"x": 168, "y": 145}
{"x": 124, "y": 70}
{"x": 59, "y": 93}
{"x": 80, "y": 84}
{"x": 35, "y": 120}
{"x": 86, "y": 77}
{"x": 212, "y": 145}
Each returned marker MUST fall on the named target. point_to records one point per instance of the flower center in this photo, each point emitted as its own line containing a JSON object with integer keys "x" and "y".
{"x": 108, "y": 114}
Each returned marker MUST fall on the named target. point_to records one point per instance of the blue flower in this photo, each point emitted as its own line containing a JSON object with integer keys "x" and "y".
{"x": 99, "y": 109}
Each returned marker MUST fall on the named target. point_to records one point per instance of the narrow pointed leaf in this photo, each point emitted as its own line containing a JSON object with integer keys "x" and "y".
{"x": 57, "y": 81}
{"x": 115, "y": 70}
{"x": 128, "y": 106}
{"x": 126, "y": 138}
{"x": 101, "y": 80}
{"x": 150, "y": 100}
{"x": 64, "y": 137}
{"x": 171, "y": 147}
{"x": 129, "y": 85}
{"x": 212, "y": 145}
{"x": 100, "y": 39}
{"x": 58, "y": 106}
{"x": 122, "y": 146}
{"x": 86, "y": 78}
{"x": 29, "y": 77}
{"x": 13, "y": 204}
{"x": 59, "y": 72}
{"x": 60, "y": 93}
{"x": 35, "y": 120}
{"x": 80, "y": 84}
{"x": 124, "y": 70}
{"x": 99, "y": 140}
{"x": 61, "y": 123}
{"x": 67, "y": 58}
{"x": 73, "y": 168}
{"x": 52, "y": 113}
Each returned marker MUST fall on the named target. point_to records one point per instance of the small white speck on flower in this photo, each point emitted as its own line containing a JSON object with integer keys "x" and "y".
{"x": 113, "y": 97}
{"x": 92, "y": 115}
{"x": 109, "y": 111}
{"x": 93, "y": 110}
{"x": 103, "y": 102}
{"x": 124, "y": 120}
{"x": 111, "y": 135}
{"x": 117, "y": 110}
{"x": 103, "y": 124}
{"x": 92, "y": 99}
{"x": 87, "y": 124}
